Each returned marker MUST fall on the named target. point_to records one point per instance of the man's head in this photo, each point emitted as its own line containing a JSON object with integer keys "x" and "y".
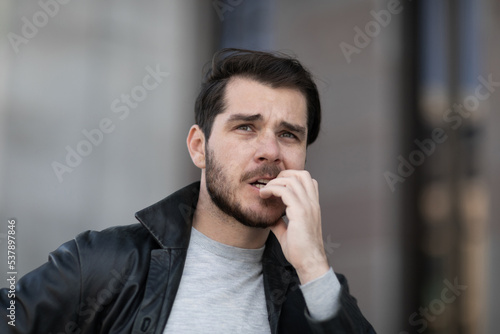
{"x": 255, "y": 115}
{"x": 274, "y": 70}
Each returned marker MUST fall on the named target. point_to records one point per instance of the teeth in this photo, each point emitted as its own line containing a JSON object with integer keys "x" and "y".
{"x": 261, "y": 183}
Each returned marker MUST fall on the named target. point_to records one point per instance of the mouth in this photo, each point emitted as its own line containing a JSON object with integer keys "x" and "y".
{"x": 260, "y": 183}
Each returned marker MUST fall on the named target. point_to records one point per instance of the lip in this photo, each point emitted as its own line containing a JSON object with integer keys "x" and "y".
{"x": 261, "y": 184}
{"x": 267, "y": 177}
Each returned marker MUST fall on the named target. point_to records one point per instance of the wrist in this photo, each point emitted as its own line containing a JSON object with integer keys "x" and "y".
{"x": 312, "y": 271}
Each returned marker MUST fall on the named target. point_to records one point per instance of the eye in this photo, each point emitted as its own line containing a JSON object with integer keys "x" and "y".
{"x": 244, "y": 127}
{"x": 288, "y": 135}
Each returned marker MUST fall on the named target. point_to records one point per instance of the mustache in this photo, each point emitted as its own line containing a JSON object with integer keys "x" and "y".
{"x": 269, "y": 170}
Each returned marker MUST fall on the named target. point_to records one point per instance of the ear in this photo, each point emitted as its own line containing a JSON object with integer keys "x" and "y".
{"x": 196, "y": 146}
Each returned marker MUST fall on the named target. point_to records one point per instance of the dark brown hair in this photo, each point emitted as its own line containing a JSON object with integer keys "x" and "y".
{"x": 274, "y": 69}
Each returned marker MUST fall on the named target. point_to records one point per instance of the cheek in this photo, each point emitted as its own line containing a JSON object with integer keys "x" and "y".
{"x": 230, "y": 160}
{"x": 235, "y": 154}
{"x": 227, "y": 157}
{"x": 295, "y": 159}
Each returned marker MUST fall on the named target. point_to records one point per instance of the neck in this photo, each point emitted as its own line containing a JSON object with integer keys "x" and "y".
{"x": 215, "y": 224}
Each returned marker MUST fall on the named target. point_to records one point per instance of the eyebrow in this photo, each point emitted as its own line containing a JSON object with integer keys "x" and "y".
{"x": 294, "y": 128}
{"x": 300, "y": 130}
{"x": 244, "y": 117}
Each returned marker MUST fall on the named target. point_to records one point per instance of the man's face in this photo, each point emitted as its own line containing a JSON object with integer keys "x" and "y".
{"x": 262, "y": 132}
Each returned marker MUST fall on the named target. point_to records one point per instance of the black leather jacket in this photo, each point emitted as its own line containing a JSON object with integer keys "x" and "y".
{"x": 124, "y": 280}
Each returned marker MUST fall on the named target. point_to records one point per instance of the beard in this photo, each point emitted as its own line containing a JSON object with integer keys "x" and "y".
{"x": 223, "y": 195}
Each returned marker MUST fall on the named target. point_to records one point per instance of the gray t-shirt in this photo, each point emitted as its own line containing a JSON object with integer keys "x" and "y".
{"x": 222, "y": 291}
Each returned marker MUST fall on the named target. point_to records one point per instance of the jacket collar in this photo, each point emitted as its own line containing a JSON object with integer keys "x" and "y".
{"x": 169, "y": 221}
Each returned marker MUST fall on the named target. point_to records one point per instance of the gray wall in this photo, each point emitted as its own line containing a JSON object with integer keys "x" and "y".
{"x": 64, "y": 81}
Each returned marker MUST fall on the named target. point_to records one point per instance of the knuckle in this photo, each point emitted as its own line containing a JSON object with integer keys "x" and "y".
{"x": 304, "y": 173}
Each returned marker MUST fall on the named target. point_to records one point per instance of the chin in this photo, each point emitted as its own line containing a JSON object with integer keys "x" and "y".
{"x": 259, "y": 224}
{"x": 262, "y": 217}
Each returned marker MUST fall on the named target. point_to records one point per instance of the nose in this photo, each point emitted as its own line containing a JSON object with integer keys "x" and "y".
{"x": 268, "y": 148}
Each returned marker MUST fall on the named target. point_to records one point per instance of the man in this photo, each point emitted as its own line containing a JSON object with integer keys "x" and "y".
{"x": 216, "y": 256}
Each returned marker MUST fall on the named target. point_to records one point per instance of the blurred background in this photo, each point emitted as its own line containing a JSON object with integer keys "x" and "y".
{"x": 96, "y": 99}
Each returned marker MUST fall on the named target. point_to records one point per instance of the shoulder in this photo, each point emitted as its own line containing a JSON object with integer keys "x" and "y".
{"x": 116, "y": 241}
{"x": 120, "y": 249}
{"x": 114, "y": 238}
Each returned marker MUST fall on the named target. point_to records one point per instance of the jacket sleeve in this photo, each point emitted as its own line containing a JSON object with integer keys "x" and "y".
{"x": 348, "y": 319}
{"x": 46, "y": 299}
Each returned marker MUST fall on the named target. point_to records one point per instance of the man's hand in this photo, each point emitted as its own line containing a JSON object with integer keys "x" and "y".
{"x": 301, "y": 240}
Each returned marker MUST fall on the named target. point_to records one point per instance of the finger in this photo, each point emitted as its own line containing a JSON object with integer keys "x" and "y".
{"x": 316, "y": 188}
{"x": 286, "y": 194}
{"x": 304, "y": 178}
{"x": 308, "y": 183}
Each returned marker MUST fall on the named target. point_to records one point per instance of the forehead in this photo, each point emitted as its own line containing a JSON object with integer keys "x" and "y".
{"x": 247, "y": 96}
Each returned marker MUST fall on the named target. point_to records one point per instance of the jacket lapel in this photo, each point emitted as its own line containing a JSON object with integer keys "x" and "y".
{"x": 278, "y": 276}
{"x": 169, "y": 222}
